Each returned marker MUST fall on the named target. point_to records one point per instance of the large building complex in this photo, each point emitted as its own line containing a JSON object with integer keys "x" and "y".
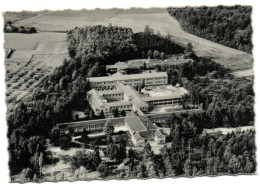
{"x": 119, "y": 92}
{"x": 125, "y": 97}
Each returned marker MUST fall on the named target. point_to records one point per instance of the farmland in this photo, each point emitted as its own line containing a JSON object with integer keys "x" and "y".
{"x": 34, "y": 57}
{"x": 16, "y": 16}
{"x": 158, "y": 19}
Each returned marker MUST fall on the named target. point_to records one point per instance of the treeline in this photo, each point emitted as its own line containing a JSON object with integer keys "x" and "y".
{"x": 151, "y": 42}
{"x": 227, "y": 25}
{"x": 9, "y": 28}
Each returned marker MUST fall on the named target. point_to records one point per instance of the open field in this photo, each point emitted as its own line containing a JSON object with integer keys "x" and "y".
{"x": 35, "y": 57}
{"x": 158, "y": 19}
{"x": 20, "y": 56}
{"x": 30, "y": 41}
{"x": 16, "y": 16}
{"x": 52, "y": 48}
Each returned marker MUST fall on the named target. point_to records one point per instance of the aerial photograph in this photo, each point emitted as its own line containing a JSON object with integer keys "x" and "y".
{"x": 138, "y": 93}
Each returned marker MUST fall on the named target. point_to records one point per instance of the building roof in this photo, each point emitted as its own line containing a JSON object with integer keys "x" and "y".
{"x": 173, "y": 96}
{"x": 134, "y": 124}
{"x": 132, "y": 94}
{"x": 137, "y": 136}
{"x": 160, "y": 132}
{"x": 118, "y": 103}
{"x": 90, "y": 122}
{"x": 147, "y": 123}
{"x": 163, "y": 92}
{"x": 108, "y": 92}
{"x": 96, "y": 100}
{"x": 144, "y": 134}
{"x": 127, "y": 77}
{"x": 160, "y": 115}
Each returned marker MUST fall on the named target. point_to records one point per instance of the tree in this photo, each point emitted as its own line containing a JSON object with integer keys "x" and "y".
{"x": 144, "y": 66}
{"x": 96, "y": 160}
{"x": 113, "y": 151}
{"x": 156, "y": 54}
{"x": 162, "y": 56}
{"x": 92, "y": 115}
{"x": 103, "y": 169}
{"x": 122, "y": 151}
{"x": 149, "y": 54}
{"x": 41, "y": 163}
{"x": 123, "y": 113}
{"x": 64, "y": 141}
{"x": 115, "y": 112}
{"x": 54, "y": 136}
{"x": 189, "y": 48}
{"x": 109, "y": 128}
{"x": 148, "y": 30}
{"x": 158, "y": 34}
{"x": 26, "y": 175}
{"x": 84, "y": 135}
{"x": 102, "y": 115}
{"x": 76, "y": 117}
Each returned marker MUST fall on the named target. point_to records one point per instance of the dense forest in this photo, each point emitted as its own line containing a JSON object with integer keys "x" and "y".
{"x": 227, "y": 102}
{"x": 227, "y": 25}
{"x": 91, "y": 48}
{"x": 107, "y": 45}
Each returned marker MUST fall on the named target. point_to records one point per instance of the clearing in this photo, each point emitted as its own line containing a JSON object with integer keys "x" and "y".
{"x": 137, "y": 19}
{"x": 228, "y": 130}
{"x": 243, "y": 73}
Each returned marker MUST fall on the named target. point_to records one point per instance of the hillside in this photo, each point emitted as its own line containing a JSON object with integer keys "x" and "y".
{"x": 227, "y": 25}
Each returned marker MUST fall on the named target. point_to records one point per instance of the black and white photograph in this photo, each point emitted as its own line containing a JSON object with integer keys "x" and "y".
{"x": 129, "y": 93}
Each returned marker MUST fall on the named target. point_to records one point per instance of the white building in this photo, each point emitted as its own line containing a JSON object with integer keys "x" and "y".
{"x": 109, "y": 82}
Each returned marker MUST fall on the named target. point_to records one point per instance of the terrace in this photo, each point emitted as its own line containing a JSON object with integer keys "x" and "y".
{"x": 163, "y": 90}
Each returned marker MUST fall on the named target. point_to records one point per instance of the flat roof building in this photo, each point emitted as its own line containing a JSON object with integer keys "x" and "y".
{"x": 109, "y": 82}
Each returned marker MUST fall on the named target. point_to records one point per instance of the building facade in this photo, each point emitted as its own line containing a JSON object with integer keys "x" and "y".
{"x": 147, "y": 79}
